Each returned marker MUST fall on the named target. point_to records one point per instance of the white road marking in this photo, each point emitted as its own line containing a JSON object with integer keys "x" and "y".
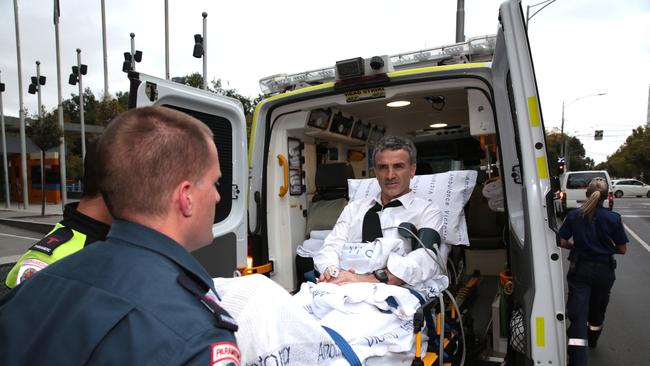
{"x": 645, "y": 245}
{"x": 20, "y": 237}
{"x": 635, "y": 215}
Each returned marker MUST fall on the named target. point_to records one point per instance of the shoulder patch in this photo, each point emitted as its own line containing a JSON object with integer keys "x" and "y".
{"x": 53, "y": 240}
{"x": 28, "y": 268}
{"x": 225, "y": 354}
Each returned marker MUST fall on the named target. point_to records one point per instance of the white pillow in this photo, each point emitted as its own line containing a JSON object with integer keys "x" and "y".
{"x": 450, "y": 191}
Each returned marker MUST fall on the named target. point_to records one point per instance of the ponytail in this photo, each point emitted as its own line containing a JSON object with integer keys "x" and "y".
{"x": 597, "y": 192}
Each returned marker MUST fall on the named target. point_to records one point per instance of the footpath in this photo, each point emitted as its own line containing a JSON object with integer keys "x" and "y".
{"x": 30, "y": 218}
{"x": 26, "y": 219}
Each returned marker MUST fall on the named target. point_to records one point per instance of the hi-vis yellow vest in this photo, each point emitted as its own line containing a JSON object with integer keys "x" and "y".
{"x": 58, "y": 243}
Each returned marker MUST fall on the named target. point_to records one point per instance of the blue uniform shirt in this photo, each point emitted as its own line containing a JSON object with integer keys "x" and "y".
{"x": 594, "y": 239}
{"x": 134, "y": 299}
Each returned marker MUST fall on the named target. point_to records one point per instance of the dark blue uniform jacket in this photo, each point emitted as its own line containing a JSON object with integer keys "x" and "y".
{"x": 596, "y": 239}
{"x": 117, "y": 302}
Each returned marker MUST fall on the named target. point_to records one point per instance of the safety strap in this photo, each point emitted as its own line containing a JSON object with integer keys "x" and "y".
{"x": 344, "y": 346}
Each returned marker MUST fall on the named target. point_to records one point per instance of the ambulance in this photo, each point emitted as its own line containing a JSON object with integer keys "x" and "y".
{"x": 470, "y": 106}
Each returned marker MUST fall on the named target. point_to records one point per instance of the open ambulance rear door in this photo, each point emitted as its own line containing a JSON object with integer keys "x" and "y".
{"x": 534, "y": 255}
{"x": 225, "y": 117}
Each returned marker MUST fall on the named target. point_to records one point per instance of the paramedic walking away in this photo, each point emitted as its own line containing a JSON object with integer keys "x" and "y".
{"x": 139, "y": 297}
{"x": 597, "y": 234}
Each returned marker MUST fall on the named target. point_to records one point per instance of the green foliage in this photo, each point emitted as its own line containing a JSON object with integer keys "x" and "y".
{"x": 632, "y": 159}
{"x": 74, "y": 167}
{"x": 574, "y": 154}
{"x": 107, "y": 110}
{"x": 45, "y": 133}
{"x": 123, "y": 99}
{"x": 248, "y": 103}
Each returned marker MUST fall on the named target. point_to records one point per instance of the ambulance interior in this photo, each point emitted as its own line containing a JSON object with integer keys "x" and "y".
{"x": 452, "y": 125}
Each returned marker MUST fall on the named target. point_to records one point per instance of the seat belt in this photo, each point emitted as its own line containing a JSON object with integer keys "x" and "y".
{"x": 344, "y": 346}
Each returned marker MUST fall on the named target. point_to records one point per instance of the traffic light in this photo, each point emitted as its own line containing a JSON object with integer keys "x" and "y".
{"x": 198, "y": 46}
{"x": 598, "y": 135}
{"x": 561, "y": 164}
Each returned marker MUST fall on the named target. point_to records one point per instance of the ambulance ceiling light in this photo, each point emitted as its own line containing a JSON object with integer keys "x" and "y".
{"x": 438, "y": 125}
{"x": 481, "y": 47}
{"x": 398, "y": 103}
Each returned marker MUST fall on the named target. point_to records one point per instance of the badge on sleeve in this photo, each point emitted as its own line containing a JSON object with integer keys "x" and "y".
{"x": 225, "y": 354}
{"x": 28, "y": 268}
{"x": 53, "y": 240}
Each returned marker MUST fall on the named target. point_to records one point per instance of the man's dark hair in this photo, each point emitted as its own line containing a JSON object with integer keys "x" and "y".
{"x": 390, "y": 142}
{"x": 144, "y": 154}
{"x": 90, "y": 183}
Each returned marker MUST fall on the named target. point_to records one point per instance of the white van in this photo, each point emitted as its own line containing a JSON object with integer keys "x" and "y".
{"x": 574, "y": 188}
{"x": 471, "y": 106}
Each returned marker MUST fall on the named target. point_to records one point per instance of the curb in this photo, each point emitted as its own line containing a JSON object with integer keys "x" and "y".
{"x": 39, "y": 227}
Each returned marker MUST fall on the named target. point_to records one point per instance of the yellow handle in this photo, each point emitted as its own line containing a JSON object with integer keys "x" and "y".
{"x": 285, "y": 164}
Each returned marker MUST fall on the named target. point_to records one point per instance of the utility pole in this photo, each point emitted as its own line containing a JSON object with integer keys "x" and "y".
{"x": 21, "y": 113}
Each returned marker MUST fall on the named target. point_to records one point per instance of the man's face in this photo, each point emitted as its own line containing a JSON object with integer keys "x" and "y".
{"x": 394, "y": 171}
{"x": 205, "y": 199}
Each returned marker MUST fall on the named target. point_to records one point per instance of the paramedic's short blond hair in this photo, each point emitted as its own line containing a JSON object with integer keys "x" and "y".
{"x": 145, "y": 153}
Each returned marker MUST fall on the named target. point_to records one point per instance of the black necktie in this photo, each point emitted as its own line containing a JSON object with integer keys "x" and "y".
{"x": 371, "y": 229}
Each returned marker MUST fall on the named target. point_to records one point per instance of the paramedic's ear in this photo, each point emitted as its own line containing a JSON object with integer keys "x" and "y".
{"x": 184, "y": 197}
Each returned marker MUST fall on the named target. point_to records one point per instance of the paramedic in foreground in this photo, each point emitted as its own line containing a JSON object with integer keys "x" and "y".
{"x": 366, "y": 220}
{"x": 139, "y": 297}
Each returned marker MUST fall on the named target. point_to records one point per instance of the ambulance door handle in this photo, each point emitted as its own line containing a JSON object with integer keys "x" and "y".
{"x": 285, "y": 164}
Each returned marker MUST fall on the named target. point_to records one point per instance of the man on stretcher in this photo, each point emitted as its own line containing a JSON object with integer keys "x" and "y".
{"x": 366, "y": 234}
{"x": 353, "y": 305}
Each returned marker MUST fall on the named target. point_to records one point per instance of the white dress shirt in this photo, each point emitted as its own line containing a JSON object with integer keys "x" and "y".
{"x": 412, "y": 267}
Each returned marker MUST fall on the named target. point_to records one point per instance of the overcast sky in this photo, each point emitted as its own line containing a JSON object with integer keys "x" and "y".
{"x": 580, "y": 47}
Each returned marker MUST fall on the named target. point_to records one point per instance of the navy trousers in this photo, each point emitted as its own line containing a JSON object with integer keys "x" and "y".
{"x": 589, "y": 287}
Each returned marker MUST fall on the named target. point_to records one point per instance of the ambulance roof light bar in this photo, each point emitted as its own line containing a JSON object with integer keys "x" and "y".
{"x": 477, "y": 47}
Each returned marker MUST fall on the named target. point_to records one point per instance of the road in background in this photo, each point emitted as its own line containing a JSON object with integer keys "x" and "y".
{"x": 14, "y": 242}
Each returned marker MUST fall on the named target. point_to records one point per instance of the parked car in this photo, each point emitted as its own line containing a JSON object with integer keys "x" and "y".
{"x": 574, "y": 188}
{"x": 630, "y": 187}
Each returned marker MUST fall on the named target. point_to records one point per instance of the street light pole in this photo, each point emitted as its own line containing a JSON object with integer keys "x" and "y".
{"x": 205, "y": 51}
{"x": 545, "y": 3}
{"x": 166, "y": 40}
{"x": 106, "y": 96}
{"x": 564, "y": 105}
{"x": 132, "y": 50}
{"x": 38, "y": 88}
{"x": 4, "y": 147}
{"x": 62, "y": 173}
{"x": 21, "y": 114}
{"x": 81, "y": 106}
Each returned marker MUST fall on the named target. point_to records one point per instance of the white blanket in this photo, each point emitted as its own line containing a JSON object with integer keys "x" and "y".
{"x": 273, "y": 328}
{"x": 278, "y": 329}
{"x": 375, "y": 319}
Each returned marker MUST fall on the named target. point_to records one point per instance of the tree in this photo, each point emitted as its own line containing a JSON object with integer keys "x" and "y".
{"x": 46, "y": 134}
{"x": 575, "y": 158}
{"x": 632, "y": 159}
{"x": 107, "y": 109}
{"x": 248, "y": 103}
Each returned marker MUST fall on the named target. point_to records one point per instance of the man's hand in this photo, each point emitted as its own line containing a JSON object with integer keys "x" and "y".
{"x": 564, "y": 243}
{"x": 344, "y": 277}
{"x": 351, "y": 276}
